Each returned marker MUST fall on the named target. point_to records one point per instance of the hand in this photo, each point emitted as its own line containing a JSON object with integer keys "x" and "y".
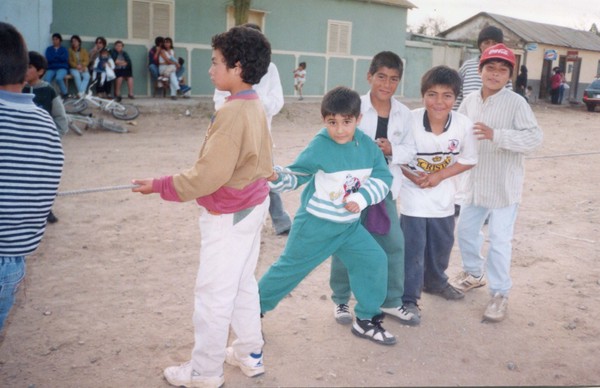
{"x": 273, "y": 177}
{"x": 483, "y": 132}
{"x": 352, "y": 207}
{"x": 384, "y": 145}
{"x": 144, "y": 186}
{"x": 425, "y": 181}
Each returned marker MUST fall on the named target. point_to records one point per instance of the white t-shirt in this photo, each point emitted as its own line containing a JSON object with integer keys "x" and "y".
{"x": 435, "y": 152}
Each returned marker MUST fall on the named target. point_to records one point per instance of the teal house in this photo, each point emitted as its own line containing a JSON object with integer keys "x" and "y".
{"x": 336, "y": 38}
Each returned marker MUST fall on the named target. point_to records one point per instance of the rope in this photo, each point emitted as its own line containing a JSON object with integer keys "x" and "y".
{"x": 562, "y": 155}
{"x": 95, "y": 190}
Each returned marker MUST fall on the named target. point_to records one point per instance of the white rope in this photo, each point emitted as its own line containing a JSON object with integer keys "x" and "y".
{"x": 562, "y": 155}
{"x": 95, "y": 190}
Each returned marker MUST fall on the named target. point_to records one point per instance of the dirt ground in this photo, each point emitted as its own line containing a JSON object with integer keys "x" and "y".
{"x": 107, "y": 300}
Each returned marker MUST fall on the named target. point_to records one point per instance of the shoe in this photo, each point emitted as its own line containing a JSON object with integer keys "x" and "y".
{"x": 342, "y": 314}
{"x": 301, "y": 98}
{"x": 51, "y": 218}
{"x": 185, "y": 376}
{"x": 464, "y": 281}
{"x": 371, "y": 329}
{"x": 404, "y": 315}
{"x": 174, "y": 98}
{"x": 131, "y": 96}
{"x": 184, "y": 89}
{"x": 448, "y": 292}
{"x": 496, "y": 308}
{"x": 65, "y": 97}
{"x": 251, "y": 366}
{"x": 118, "y": 98}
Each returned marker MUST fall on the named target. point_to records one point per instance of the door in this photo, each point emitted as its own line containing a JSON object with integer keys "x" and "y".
{"x": 545, "y": 79}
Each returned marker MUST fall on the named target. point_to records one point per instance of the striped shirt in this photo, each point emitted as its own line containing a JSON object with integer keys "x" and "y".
{"x": 31, "y": 160}
{"x": 471, "y": 80}
{"x": 497, "y": 179}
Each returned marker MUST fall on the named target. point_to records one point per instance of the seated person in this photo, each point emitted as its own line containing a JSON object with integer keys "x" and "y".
{"x": 58, "y": 64}
{"x": 123, "y": 70}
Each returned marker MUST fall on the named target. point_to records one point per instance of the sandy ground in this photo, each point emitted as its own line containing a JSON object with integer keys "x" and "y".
{"x": 107, "y": 300}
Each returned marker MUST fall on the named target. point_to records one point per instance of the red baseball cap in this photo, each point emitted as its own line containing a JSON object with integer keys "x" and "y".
{"x": 498, "y": 51}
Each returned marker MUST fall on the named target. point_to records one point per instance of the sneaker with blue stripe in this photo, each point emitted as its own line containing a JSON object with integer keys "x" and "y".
{"x": 251, "y": 365}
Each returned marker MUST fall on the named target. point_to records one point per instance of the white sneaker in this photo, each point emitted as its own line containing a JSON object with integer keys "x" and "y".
{"x": 342, "y": 314}
{"x": 404, "y": 315}
{"x": 251, "y": 366}
{"x": 496, "y": 308}
{"x": 185, "y": 376}
{"x": 464, "y": 281}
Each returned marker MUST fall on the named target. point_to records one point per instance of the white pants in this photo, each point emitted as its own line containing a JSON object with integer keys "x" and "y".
{"x": 226, "y": 292}
{"x": 470, "y": 241}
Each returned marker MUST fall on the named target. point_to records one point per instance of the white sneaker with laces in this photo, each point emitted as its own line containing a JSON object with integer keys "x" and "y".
{"x": 496, "y": 308}
{"x": 403, "y": 315}
{"x": 342, "y": 314}
{"x": 464, "y": 281}
{"x": 251, "y": 366}
{"x": 184, "y": 375}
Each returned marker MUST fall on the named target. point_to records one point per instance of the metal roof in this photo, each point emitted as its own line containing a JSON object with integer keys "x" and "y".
{"x": 534, "y": 32}
{"x": 393, "y": 3}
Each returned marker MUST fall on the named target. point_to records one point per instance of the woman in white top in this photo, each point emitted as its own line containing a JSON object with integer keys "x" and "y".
{"x": 167, "y": 66}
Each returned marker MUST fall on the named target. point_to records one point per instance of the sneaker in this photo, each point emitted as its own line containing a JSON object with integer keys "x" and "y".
{"x": 251, "y": 366}
{"x": 371, "y": 329}
{"x": 496, "y": 308}
{"x": 464, "y": 281}
{"x": 404, "y": 315}
{"x": 184, "y": 89}
{"x": 51, "y": 218}
{"x": 185, "y": 376}
{"x": 448, "y": 292}
{"x": 118, "y": 98}
{"x": 342, "y": 314}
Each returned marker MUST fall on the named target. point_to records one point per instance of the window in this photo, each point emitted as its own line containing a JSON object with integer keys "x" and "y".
{"x": 256, "y": 17}
{"x": 338, "y": 37}
{"x": 151, "y": 18}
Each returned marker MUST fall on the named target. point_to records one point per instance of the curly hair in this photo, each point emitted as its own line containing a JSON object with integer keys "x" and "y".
{"x": 245, "y": 46}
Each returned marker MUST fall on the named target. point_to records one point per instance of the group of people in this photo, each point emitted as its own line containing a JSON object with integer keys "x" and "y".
{"x": 558, "y": 85}
{"x": 371, "y": 151}
{"x": 100, "y": 65}
{"x": 166, "y": 69}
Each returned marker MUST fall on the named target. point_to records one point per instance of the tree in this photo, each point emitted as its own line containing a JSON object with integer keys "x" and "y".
{"x": 240, "y": 12}
{"x": 594, "y": 29}
{"x": 431, "y": 27}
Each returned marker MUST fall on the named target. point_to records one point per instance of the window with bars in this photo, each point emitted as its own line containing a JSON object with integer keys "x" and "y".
{"x": 339, "y": 37}
{"x": 151, "y": 18}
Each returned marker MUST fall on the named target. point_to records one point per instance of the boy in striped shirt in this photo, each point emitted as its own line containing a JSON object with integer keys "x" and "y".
{"x": 31, "y": 161}
{"x": 506, "y": 129}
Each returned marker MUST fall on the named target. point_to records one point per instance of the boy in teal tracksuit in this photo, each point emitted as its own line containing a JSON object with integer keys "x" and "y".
{"x": 345, "y": 172}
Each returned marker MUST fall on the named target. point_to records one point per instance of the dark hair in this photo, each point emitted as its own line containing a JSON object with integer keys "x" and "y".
{"x": 490, "y": 32}
{"x": 303, "y": 64}
{"x": 523, "y": 69}
{"x": 167, "y": 39}
{"x": 252, "y": 25}
{"x": 386, "y": 59}
{"x": 341, "y": 100}
{"x": 158, "y": 41}
{"x": 245, "y": 46}
{"x": 13, "y": 56}
{"x": 57, "y": 35}
{"x": 101, "y": 39}
{"x": 505, "y": 62}
{"x": 117, "y": 42}
{"x": 37, "y": 60}
{"x": 441, "y": 75}
{"x": 77, "y": 38}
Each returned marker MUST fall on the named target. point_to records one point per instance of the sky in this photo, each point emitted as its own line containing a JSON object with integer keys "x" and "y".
{"x": 578, "y": 14}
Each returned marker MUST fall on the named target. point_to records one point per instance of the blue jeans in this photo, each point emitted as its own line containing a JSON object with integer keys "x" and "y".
{"x": 153, "y": 71}
{"x": 470, "y": 241}
{"x": 82, "y": 79}
{"x": 12, "y": 272}
{"x": 280, "y": 218}
{"x": 427, "y": 254}
{"x": 60, "y": 79}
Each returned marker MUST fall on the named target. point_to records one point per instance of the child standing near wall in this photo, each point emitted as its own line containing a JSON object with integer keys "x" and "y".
{"x": 300, "y": 78}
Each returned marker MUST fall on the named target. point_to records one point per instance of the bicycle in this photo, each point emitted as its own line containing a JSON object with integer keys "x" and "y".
{"x": 77, "y": 123}
{"x": 118, "y": 110}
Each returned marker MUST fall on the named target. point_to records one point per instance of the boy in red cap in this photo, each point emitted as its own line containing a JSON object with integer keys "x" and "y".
{"x": 506, "y": 129}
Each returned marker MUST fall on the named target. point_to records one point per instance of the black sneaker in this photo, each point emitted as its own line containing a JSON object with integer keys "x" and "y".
{"x": 448, "y": 292}
{"x": 52, "y": 218}
{"x": 371, "y": 329}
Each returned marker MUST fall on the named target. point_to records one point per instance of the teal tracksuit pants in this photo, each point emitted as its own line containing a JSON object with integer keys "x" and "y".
{"x": 393, "y": 245}
{"x": 311, "y": 241}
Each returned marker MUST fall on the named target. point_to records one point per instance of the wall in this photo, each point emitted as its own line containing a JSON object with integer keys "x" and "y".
{"x": 32, "y": 18}
{"x": 419, "y": 59}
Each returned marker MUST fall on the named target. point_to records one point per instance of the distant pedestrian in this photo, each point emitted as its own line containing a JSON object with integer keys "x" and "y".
{"x": 555, "y": 82}
{"x": 522, "y": 81}
{"x": 300, "y": 79}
